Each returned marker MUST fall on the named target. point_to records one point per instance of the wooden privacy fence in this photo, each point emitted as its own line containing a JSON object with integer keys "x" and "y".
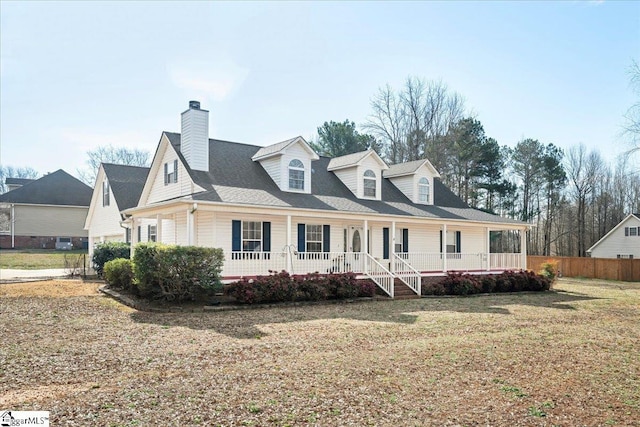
{"x": 627, "y": 270}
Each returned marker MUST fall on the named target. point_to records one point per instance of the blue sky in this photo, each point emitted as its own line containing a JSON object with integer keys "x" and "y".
{"x": 75, "y": 76}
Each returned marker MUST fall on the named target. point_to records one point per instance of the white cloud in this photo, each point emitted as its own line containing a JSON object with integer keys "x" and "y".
{"x": 214, "y": 79}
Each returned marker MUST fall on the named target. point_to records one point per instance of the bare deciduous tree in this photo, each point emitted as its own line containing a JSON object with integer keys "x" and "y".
{"x": 411, "y": 124}
{"x": 110, "y": 154}
{"x": 583, "y": 170}
{"x": 13, "y": 172}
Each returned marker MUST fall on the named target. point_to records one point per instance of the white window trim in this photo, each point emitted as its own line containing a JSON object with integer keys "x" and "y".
{"x": 171, "y": 172}
{"x": 245, "y": 227}
{"x": 316, "y": 242}
{"x": 366, "y": 179}
{"x": 106, "y": 193}
{"x": 298, "y": 169}
{"x": 422, "y": 185}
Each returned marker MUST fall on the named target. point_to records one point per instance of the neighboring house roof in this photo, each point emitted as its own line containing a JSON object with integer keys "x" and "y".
{"x": 18, "y": 181}
{"x": 234, "y": 178}
{"x": 280, "y": 147}
{"x": 354, "y": 159}
{"x": 409, "y": 168}
{"x": 634, "y": 215}
{"x": 126, "y": 183}
{"x": 56, "y": 188}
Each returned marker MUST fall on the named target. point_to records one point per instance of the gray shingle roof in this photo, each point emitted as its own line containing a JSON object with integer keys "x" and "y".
{"x": 18, "y": 181}
{"x": 406, "y": 168}
{"x": 56, "y": 188}
{"x": 126, "y": 183}
{"x": 235, "y": 178}
{"x": 348, "y": 160}
{"x": 272, "y": 149}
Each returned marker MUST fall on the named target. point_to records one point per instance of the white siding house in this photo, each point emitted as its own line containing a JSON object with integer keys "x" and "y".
{"x": 283, "y": 207}
{"x": 623, "y": 241}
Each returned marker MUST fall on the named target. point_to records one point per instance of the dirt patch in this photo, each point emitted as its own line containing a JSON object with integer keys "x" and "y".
{"x": 49, "y": 289}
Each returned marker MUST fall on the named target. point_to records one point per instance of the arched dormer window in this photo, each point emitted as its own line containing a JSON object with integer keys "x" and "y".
{"x": 369, "y": 183}
{"x": 423, "y": 190}
{"x": 296, "y": 175}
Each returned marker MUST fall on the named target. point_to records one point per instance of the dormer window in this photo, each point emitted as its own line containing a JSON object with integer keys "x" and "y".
{"x": 369, "y": 183}
{"x": 423, "y": 190}
{"x": 296, "y": 175}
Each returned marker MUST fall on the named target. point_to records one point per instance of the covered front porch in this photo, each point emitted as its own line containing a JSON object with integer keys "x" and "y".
{"x": 385, "y": 250}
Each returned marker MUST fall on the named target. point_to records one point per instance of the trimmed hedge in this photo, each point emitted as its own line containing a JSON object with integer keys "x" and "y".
{"x": 177, "y": 273}
{"x": 119, "y": 274}
{"x": 108, "y": 251}
{"x": 467, "y": 284}
{"x": 282, "y": 287}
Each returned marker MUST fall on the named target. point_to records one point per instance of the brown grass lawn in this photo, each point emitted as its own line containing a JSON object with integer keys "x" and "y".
{"x": 567, "y": 358}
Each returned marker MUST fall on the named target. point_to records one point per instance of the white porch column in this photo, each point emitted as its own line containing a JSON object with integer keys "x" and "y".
{"x": 443, "y": 249}
{"x": 393, "y": 246}
{"x": 159, "y": 228}
{"x": 191, "y": 226}
{"x": 523, "y": 248}
{"x": 135, "y": 238}
{"x": 13, "y": 226}
{"x": 488, "y": 234}
{"x": 289, "y": 253}
{"x": 365, "y": 238}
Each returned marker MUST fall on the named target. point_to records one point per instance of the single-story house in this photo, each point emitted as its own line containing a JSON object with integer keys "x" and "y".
{"x": 284, "y": 207}
{"x": 45, "y": 213}
{"x": 118, "y": 187}
{"x": 623, "y": 241}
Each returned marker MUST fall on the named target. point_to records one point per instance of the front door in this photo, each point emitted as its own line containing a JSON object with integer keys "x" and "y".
{"x": 354, "y": 239}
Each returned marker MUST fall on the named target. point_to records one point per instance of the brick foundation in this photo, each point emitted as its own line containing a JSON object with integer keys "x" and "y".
{"x": 38, "y": 242}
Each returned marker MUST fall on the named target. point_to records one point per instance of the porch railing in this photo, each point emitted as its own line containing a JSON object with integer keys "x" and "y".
{"x": 243, "y": 264}
{"x": 327, "y": 262}
{"x": 405, "y": 272}
{"x": 380, "y": 275}
{"x": 506, "y": 261}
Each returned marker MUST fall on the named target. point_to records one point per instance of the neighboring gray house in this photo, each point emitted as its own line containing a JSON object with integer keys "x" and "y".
{"x": 284, "y": 207}
{"x": 118, "y": 187}
{"x": 45, "y": 213}
{"x": 623, "y": 241}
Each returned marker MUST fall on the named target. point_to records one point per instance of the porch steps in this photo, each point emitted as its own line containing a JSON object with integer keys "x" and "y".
{"x": 402, "y": 291}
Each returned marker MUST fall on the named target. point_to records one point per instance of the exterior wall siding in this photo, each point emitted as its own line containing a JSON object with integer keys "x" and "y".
{"x": 617, "y": 243}
{"x": 406, "y": 184}
{"x": 349, "y": 177}
{"x": 159, "y": 191}
{"x": 273, "y": 167}
{"x": 296, "y": 152}
{"x": 55, "y": 221}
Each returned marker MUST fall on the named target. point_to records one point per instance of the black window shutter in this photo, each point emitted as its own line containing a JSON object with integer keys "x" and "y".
{"x": 266, "y": 236}
{"x": 175, "y": 170}
{"x": 236, "y": 235}
{"x": 166, "y": 173}
{"x": 626, "y": 231}
{"x": 148, "y": 233}
{"x": 302, "y": 238}
{"x": 139, "y": 233}
{"x": 458, "y": 242}
{"x": 405, "y": 240}
{"x": 326, "y": 238}
{"x": 441, "y": 250}
{"x": 385, "y": 243}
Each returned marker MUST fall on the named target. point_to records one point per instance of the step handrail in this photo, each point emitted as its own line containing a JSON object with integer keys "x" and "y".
{"x": 379, "y": 274}
{"x": 407, "y": 274}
